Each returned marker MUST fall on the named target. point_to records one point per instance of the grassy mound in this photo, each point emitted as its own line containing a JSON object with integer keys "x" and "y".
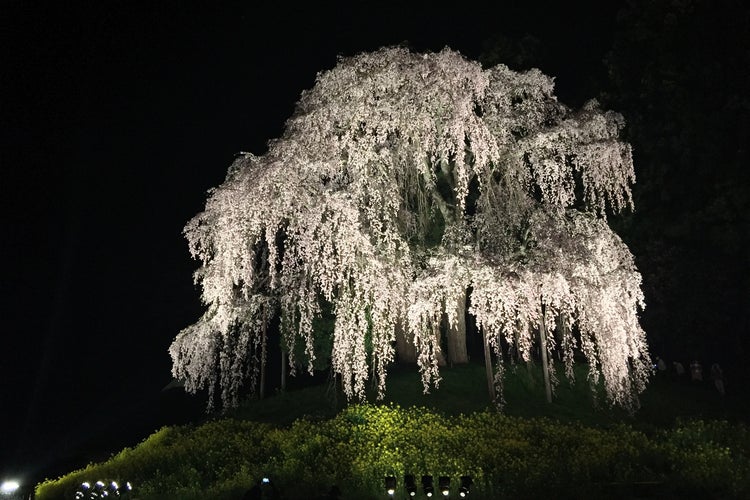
{"x": 571, "y": 448}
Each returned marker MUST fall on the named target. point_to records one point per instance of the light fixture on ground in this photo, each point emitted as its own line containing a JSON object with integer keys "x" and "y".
{"x": 113, "y": 489}
{"x": 390, "y": 485}
{"x": 83, "y": 490}
{"x": 9, "y": 487}
{"x": 268, "y": 488}
{"x": 444, "y": 483}
{"x": 427, "y": 486}
{"x": 410, "y": 485}
{"x": 463, "y": 490}
{"x": 261, "y": 488}
{"x": 100, "y": 489}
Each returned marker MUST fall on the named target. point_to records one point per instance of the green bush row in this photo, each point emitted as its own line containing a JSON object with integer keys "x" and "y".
{"x": 508, "y": 457}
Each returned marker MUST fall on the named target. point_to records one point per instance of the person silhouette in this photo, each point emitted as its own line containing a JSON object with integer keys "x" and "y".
{"x": 718, "y": 377}
{"x": 696, "y": 371}
{"x": 661, "y": 365}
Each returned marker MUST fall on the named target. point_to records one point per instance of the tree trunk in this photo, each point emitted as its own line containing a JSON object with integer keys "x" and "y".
{"x": 405, "y": 349}
{"x": 456, "y": 340}
{"x": 264, "y": 331}
{"x": 562, "y": 333}
{"x": 545, "y": 366}
{"x": 530, "y": 360}
{"x": 488, "y": 367}
{"x": 284, "y": 361}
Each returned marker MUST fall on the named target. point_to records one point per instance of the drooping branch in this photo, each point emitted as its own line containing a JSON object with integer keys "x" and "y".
{"x": 400, "y": 181}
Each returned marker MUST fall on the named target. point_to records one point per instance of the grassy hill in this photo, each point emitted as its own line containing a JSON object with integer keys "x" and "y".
{"x": 463, "y": 390}
{"x": 685, "y": 439}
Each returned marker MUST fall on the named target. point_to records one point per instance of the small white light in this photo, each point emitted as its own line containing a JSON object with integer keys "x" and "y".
{"x": 429, "y": 494}
{"x": 128, "y": 486}
{"x": 463, "y": 494}
{"x": 85, "y": 485}
{"x": 391, "y": 491}
{"x": 114, "y": 485}
{"x": 9, "y": 487}
{"x": 445, "y": 493}
{"x": 100, "y": 484}
{"x": 413, "y": 493}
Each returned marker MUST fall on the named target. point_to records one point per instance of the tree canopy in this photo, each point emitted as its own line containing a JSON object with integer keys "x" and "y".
{"x": 401, "y": 181}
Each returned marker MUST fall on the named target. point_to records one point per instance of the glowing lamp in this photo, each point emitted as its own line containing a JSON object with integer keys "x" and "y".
{"x": 410, "y": 485}
{"x": 390, "y": 485}
{"x": 9, "y": 487}
{"x": 427, "y": 486}
{"x": 463, "y": 490}
{"x": 444, "y": 483}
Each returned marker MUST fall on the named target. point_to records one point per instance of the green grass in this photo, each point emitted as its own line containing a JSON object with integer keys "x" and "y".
{"x": 463, "y": 389}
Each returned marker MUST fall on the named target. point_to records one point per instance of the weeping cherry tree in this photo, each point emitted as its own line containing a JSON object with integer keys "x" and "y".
{"x": 402, "y": 181}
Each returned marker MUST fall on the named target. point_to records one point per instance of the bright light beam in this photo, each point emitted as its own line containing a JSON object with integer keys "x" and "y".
{"x": 9, "y": 487}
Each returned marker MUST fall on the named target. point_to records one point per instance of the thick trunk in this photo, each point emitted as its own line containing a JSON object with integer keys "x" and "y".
{"x": 488, "y": 368}
{"x": 262, "y": 389}
{"x": 516, "y": 348}
{"x": 456, "y": 340}
{"x": 406, "y": 352}
{"x": 543, "y": 349}
{"x": 562, "y": 333}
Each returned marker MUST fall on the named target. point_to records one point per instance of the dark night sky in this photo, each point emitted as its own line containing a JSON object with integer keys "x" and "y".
{"x": 116, "y": 119}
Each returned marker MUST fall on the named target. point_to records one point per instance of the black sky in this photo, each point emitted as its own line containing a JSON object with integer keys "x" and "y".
{"x": 116, "y": 119}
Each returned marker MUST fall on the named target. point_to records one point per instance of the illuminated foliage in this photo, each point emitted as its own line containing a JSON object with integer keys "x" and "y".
{"x": 507, "y": 457}
{"x": 401, "y": 181}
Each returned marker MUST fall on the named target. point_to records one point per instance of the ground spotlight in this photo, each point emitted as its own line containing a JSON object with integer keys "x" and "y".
{"x": 83, "y": 490}
{"x": 410, "y": 485}
{"x": 9, "y": 487}
{"x": 100, "y": 490}
{"x": 427, "y": 486}
{"x": 113, "y": 489}
{"x": 444, "y": 483}
{"x": 390, "y": 485}
{"x": 262, "y": 488}
{"x": 463, "y": 490}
